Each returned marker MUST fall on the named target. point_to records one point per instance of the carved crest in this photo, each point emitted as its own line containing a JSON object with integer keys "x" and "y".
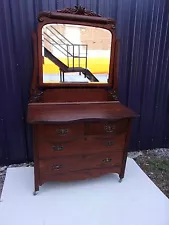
{"x": 77, "y": 10}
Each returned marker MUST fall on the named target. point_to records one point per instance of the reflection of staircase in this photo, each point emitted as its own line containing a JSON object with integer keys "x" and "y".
{"x": 65, "y": 69}
{"x": 55, "y": 39}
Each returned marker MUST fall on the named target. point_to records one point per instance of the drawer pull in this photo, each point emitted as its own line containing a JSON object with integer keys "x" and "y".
{"x": 109, "y": 128}
{"x": 57, "y": 148}
{"x": 107, "y": 160}
{"x": 62, "y": 131}
{"x": 109, "y": 143}
{"x": 56, "y": 167}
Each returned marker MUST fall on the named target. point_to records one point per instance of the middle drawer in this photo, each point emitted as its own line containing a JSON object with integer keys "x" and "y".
{"x": 84, "y": 145}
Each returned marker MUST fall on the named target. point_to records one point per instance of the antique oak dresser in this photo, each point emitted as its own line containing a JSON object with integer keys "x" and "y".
{"x": 80, "y": 129}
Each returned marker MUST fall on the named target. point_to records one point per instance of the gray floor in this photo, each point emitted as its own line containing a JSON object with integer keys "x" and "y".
{"x": 73, "y": 77}
{"x": 93, "y": 202}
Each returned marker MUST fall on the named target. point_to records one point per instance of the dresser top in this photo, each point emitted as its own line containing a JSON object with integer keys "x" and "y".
{"x": 67, "y": 112}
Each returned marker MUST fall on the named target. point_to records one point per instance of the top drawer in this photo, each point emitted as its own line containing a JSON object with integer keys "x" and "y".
{"x": 61, "y": 131}
{"x": 106, "y": 127}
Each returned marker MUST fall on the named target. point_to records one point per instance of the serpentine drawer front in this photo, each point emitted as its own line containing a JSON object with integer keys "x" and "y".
{"x": 106, "y": 127}
{"x": 67, "y": 148}
{"x": 79, "y": 150}
{"x": 64, "y": 131}
{"x": 78, "y": 175}
{"x": 81, "y": 162}
{"x": 51, "y": 148}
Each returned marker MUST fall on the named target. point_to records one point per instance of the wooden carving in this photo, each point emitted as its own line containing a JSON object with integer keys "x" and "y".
{"x": 36, "y": 95}
{"x": 78, "y": 10}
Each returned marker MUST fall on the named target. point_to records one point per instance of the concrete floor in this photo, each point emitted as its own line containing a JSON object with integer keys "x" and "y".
{"x": 72, "y": 77}
{"x": 100, "y": 201}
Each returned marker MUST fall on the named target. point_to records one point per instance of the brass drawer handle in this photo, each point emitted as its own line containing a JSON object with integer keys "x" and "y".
{"x": 56, "y": 167}
{"x": 62, "y": 131}
{"x": 109, "y": 143}
{"x": 107, "y": 160}
{"x": 109, "y": 128}
{"x": 57, "y": 148}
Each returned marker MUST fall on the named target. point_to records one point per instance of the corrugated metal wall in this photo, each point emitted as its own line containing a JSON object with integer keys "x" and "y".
{"x": 143, "y": 28}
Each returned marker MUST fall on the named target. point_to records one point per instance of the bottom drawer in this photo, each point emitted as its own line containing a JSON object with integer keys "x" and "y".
{"x": 81, "y": 162}
{"x": 78, "y": 175}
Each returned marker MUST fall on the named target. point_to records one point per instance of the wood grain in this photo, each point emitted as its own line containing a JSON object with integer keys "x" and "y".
{"x": 77, "y": 146}
{"x": 76, "y": 95}
{"x": 67, "y": 112}
{"x": 53, "y": 131}
{"x": 116, "y": 127}
{"x": 78, "y": 175}
{"x": 79, "y": 162}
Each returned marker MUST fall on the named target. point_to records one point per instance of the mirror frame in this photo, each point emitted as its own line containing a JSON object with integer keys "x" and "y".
{"x": 76, "y": 16}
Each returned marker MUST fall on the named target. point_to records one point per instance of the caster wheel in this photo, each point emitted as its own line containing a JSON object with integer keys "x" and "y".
{"x": 120, "y": 180}
{"x": 35, "y": 193}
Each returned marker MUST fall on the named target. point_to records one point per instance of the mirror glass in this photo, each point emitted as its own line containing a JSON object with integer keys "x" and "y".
{"x": 75, "y": 53}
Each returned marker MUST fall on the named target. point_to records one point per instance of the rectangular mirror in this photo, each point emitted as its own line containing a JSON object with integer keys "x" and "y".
{"x": 75, "y": 54}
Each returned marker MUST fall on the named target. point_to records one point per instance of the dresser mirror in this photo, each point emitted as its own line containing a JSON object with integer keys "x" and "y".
{"x": 75, "y": 52}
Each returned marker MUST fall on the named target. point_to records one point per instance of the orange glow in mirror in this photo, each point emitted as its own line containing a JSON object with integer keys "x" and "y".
{"x": 75, "y": 54}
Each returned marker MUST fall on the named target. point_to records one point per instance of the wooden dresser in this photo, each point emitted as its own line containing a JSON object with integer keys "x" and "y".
{"x": 79, "y": 131}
